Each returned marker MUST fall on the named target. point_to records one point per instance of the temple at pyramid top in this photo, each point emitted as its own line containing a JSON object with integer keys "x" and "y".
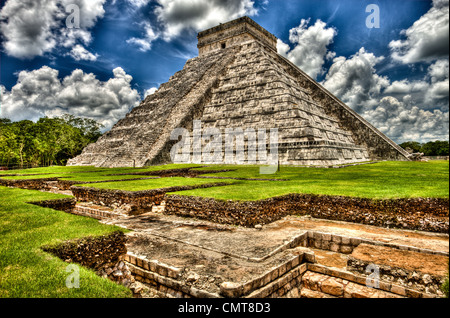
{"x": 240, "y": 82}
{"x": 233, "y": 33}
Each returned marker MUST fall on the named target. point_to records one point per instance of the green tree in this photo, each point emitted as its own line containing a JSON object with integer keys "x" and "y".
{"x": 8, "y": 142}
{"x": 413, "y": 145}
{"x": 46, "y": 142}
{"x": 24, "y": 138}
{"x": 436, "y": 148}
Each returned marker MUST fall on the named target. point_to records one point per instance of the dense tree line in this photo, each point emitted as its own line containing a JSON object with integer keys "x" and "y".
{"x": 432, "y": 148}
{"x": 49, "y": 141}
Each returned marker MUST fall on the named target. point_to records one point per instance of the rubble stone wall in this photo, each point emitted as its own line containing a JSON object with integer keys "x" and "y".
{"x": 413, "y": 279}
{"x": 66, "y": 205}
{"x": 132, "y": 202}
{"x": 32, "y": 184}
{"x": 414, "y": 214}
{"x": 92, "y": 252}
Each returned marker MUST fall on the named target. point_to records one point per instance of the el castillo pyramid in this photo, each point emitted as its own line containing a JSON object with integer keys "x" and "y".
{"x": 239, "y": 80}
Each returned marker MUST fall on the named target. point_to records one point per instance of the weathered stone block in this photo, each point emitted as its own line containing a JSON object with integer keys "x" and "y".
{"x": 332, "y": 287}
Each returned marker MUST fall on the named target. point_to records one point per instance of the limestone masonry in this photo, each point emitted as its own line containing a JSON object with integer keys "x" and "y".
{"x": 239, "y": 81}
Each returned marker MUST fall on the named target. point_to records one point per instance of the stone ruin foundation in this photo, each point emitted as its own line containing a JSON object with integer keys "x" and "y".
{"x": 179, "y": 256}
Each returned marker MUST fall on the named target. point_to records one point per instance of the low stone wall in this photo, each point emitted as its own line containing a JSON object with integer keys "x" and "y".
{"x": 32, "y": 184}
{"x": 414, "y": 214}
{"x": 163, "y": 278}
{"x": 248, "y": 213}
{"x": 104, "y": 254}
{"x": 289, "y": 280}
{"x": 276, "y": 282}
{"x": 65, "y": 185}
{"x": 96, "y": 212}
{"x": 355, "y": 285}
{"x": 66, "y": 205}
{"x": 170, "y": 282}
{"x": 133, "y": 203}
{"x": 92, "y": 252}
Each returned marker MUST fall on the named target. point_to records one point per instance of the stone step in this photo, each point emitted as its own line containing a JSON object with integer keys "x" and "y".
{"x": 308, "y": 293}
{"x": 96, "y": 212}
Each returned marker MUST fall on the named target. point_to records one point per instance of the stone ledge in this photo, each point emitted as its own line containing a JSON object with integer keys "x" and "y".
{"x": 360, "y": 280}
{"x": 153, "y": 266}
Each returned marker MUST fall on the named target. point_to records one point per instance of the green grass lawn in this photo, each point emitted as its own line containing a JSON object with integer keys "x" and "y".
{"x": 149, "y": 184}
{"x": 86, "y": 174}
{"x": 28, "y": 272}
{"x": 61, "y": 170}
{"x": 379, "y": 181}
{"x": 383, "y": 180}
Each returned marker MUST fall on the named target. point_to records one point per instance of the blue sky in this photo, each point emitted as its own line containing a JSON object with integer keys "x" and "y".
{"x": 396, "y": 76}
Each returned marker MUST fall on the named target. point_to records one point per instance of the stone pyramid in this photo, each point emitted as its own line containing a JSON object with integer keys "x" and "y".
{"x": 239, "y": 81}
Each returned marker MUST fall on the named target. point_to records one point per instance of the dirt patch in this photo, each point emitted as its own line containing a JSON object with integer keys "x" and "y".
{"x": 331, "y": 259}
{"x": 409, "y": 260}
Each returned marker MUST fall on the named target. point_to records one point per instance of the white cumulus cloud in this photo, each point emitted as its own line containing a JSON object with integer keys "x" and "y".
{"x": 32, "y": 28}
{"x": 403, "y": 110}
{"x": 145, "y": 43}
{"x": 310, "y": 46}
{"x": 41, "y": 93}
{"x": 403, "y": 121}
{"x": 354, "y": 79}
{"x": 79, "y": 53}
{"x": 427, "y": 39}
{"x": 177, "y": 16}
{"x": 150, "y": 91}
